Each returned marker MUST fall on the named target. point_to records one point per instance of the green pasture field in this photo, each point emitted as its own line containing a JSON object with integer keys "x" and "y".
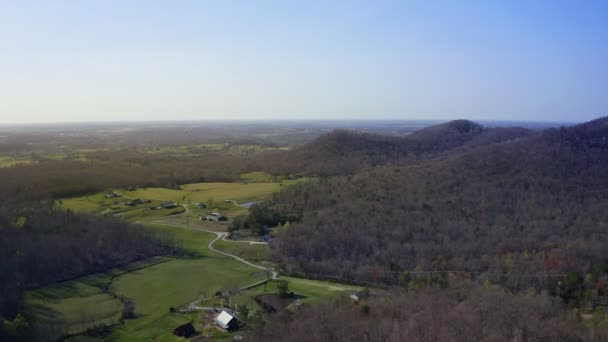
{"x": 70, "y": 308}
{"x": 258, "y": 177}
{"x": 175, "y": 283}
{"x": 74, "y": 306}
{"x": 203, "y": 192}
{"x": 98, "y": 204}
{"x": 243, "y": 250}
{"x": 315, "y": 290}
{"x": 192, "y": 241}
{"x": 221, "y": 197}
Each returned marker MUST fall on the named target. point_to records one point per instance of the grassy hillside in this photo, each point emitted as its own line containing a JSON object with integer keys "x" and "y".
{"x": 74, "y": 306}
{"x": 70, "y": 308}
{"x": 245, "y": 250}
{"x": 154, "y": 290}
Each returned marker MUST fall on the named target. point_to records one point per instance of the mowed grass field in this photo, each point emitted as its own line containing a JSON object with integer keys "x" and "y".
{"x": 156, "y": 289}
{"x": 243, "y": 250}
{"x": 191, "y": 241}
{"x": 315, "y": 290}
{"x": 154, "y": 286}
{"x": 74, "y": 306}
{"x": 70, "y": 308}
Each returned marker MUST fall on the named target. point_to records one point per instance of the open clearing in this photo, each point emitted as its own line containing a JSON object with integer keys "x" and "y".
{"x": 74, "y": 306}
{"x": 157, "y": 287}
{"x": 314, "y": 290}
{"x": 245, "y": 250}
{"x": 203, "y": 192}
{"x": 70, "y": 308}
{"x": 191, "y": 241}
{"x": 154, "y": 290}
{"x": 222, "y": 197}
{"x": 99, "y": 204}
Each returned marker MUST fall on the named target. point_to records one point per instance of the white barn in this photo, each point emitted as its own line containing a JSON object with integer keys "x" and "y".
{"x": 226, "y": 321}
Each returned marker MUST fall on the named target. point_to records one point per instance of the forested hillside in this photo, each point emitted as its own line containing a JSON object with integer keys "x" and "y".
{"x": 522, "y": 212}
{"x": 343, "y": 152}
{"x": 40, "y": 245}
{"x": 102, "y": 166}
{"x": 115, "y": 169}
{"x": 464, "y": 314}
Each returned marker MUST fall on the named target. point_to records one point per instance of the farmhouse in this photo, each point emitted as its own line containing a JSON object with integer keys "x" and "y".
{"x": 185, "y": 330}
{"x": 226, "y": 321}
{"x": 168, "y": 205}
{"x": 111, "y": 195}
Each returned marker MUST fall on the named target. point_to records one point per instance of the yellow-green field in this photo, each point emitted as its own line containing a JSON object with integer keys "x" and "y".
{"x": 112, "y": 206}
{"x": 203, "y": 192}
{"x": 222, "y": 197}
{"x": 6, "y": 161}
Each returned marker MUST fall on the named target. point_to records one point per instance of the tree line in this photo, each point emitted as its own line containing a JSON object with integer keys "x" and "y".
{"x": 527, "y": 212}
{"x": 469, "y": 313}
{"x": 40, "y": 245}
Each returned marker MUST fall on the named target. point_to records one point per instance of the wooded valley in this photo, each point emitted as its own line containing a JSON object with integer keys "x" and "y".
{"x": 470, "y": 232}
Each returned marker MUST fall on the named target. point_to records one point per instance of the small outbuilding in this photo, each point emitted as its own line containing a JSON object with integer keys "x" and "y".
{"x": 201, "y": 205}
{"x": 168, "y": 205}
{"x": 226, "y": 321}
{"x": 186, "y": 330}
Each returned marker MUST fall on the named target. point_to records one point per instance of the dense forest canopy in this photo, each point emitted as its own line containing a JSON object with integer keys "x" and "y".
{"x": 73, "y": 162}
{"x": 343, "y": 152}
{"x": 469, "y": 313}
{"x": 455, "y": 216}
{"x": 519, "y": 212}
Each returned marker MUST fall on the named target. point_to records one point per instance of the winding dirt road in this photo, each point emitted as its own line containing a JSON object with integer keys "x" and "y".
{"x": 221, "y": 235}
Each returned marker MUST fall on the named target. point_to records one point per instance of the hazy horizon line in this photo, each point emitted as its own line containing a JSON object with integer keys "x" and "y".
{"x": 268, "y": 120}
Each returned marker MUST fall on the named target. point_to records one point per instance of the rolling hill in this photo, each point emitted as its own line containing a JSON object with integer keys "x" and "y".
{"x": 342, "y": 152}
{"x": 517, "y": 210}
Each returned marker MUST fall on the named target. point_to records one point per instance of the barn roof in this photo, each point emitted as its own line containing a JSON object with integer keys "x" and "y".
{"x": 224, "y": 319}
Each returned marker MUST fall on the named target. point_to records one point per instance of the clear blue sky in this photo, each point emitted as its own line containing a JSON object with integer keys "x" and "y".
{"x": 149, "y": 60}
